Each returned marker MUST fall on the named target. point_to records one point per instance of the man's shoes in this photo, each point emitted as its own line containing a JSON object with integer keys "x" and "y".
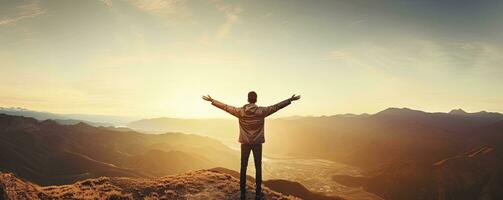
{"x": 259, "y": 196}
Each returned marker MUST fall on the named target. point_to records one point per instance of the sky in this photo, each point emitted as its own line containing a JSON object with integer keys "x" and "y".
{"x": 152, "y": 58}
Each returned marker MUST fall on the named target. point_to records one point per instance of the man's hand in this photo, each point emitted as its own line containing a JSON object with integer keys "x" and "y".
{"x": 207, "y": 98}
{"x": 295, "y": 97}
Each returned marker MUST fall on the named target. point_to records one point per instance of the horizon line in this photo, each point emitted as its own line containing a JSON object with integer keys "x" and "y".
{"x": 12, "y": 108}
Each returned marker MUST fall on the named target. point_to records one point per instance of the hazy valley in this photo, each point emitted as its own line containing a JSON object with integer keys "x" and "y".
{"x": 399, "y": 153}
{"x": 393, "y": 154}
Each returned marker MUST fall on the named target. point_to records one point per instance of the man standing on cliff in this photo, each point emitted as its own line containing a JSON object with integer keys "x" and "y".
{"x": 251, "y": 134}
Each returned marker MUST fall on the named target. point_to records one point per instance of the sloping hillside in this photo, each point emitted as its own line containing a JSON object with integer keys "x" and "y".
{"x": 202, "y": 184}
{"x": 283, "y": 186}
{"x": 48, "y": 153}
{"x": 396, "y": 148}
{"x": 474, "y": 174}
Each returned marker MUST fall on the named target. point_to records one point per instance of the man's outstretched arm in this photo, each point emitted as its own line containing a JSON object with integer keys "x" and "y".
{"x": 227, "y": 108}
{"x": 272, "y": 109}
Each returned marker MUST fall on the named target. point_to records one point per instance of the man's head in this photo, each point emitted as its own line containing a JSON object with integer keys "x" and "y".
{"x": 252, "y": 97}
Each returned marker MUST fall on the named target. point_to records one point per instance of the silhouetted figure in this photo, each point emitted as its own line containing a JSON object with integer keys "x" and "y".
{"x": 251, "y": 133}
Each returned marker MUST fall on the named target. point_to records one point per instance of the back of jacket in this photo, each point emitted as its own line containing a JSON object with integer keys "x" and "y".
{"x": 251, "y": 119}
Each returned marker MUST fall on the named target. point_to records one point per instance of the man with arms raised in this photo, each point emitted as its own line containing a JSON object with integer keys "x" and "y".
{"x": 251, "y": 133}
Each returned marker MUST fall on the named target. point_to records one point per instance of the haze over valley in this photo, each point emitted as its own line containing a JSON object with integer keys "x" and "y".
{"x": 394, "y": 154}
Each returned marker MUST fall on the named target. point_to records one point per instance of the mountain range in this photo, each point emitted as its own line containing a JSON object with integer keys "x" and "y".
{"x": 81, "y": 161}
{"x": 46, "y": 152}
{"x": 404, "y": 153}
{"x": 68, "y": 119}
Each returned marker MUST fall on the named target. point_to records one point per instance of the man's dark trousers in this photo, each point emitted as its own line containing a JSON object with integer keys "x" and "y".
{"x": 257, "y": 157}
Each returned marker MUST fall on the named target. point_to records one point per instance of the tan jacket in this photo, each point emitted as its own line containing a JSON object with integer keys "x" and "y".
{"x": 251, "y": 119}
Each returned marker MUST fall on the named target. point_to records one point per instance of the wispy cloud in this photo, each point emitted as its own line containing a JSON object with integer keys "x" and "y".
{"x": 171, "y": 11}
{"x": 337, "y": 55}
{"x": 107, "y": 2}
{"x": 161, "y": 7}
{"x": 25, "y": 11}
{"x": 231, "y": 14}
{"x": 358, "y": 22}
{"x": 411, "y": 56}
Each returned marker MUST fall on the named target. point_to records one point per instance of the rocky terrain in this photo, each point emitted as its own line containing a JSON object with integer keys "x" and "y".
{"x": 283, "y": 186}
{"x": 201, "y": 184}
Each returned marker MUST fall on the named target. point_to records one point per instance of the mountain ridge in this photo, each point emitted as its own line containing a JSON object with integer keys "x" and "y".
{"x": 200, "y": 184}
{"x": 67, "y": 119}
{"x": 48, "y": 153}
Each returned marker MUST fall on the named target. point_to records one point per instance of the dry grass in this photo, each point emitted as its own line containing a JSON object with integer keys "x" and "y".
{"x": 195, "y": 185}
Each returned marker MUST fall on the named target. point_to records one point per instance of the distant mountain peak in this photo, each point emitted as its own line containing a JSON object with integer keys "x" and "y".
{"x": 83, "y": 125}
{"x": 396, "y": 111}
{"x": 49, "y": 122}
{"x": 13, "y": 109}
{"x": 458, "y": 111}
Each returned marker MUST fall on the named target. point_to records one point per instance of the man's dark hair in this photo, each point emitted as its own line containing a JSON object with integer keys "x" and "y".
{"x": 252, "y": 97}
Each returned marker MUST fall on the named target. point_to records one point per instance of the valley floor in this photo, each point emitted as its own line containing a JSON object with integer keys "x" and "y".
{"x": 315, "y": 175}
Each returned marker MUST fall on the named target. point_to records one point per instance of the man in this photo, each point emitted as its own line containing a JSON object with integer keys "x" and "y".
{"x": 251, "y": 134}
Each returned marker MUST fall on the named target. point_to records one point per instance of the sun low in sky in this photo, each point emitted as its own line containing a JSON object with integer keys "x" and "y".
{"x": 158, "y": 57}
